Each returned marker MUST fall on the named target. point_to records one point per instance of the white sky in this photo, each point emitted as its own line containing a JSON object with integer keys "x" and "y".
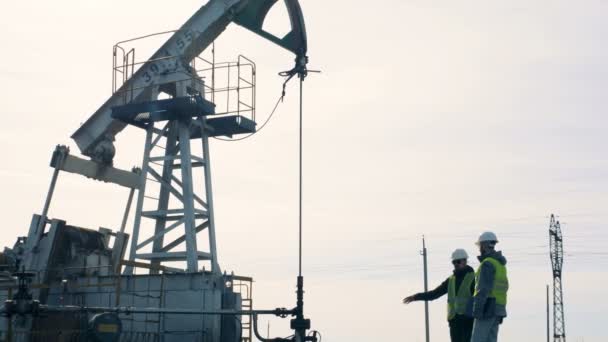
{"x": 440, "y": 118}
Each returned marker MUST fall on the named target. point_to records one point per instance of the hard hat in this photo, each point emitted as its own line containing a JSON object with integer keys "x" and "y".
{"x": 487, "y": 237}
{"x": 459, "y": 254}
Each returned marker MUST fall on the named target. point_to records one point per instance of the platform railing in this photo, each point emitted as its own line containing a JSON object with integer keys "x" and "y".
{"x": 230, "y": 85}
{"x": 244, "y": 287}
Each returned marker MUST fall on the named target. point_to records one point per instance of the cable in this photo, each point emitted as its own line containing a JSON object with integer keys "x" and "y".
{"x": 261, "y": 127}
{"x": 288, "y": 75}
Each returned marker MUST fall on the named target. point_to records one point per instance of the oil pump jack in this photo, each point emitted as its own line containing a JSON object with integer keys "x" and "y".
{"x": 63, "y": 282}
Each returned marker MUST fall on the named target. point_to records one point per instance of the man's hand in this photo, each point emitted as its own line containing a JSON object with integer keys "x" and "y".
{"x": 408, "y": 300}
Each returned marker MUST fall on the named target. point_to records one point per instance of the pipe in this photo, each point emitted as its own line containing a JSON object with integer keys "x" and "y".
{"x": 263, "y": 339}
{"x": 130, "y": 310}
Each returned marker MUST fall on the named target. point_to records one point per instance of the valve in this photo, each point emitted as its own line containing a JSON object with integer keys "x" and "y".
{"x": 22, "y": 302}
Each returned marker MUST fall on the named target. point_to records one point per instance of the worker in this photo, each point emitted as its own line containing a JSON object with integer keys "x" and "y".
{"x": 459, "y": 288}
{"x": 491, "y": 286}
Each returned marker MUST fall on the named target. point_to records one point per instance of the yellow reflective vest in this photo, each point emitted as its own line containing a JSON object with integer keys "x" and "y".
{"x": 461, "y": 301}
{"x": 501, "y": 281}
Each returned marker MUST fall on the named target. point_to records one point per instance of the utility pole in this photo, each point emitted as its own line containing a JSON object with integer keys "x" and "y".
{"x": 426, "y": 288}
{"x": 557, "y": 259}
{"x": 548, "y": 315}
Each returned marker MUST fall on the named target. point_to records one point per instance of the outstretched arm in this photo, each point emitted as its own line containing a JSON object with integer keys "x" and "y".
{"x": 430, "y": 295}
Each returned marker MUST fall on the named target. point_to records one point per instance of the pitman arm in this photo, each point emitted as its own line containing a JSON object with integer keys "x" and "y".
{"x": 171, "y": 63}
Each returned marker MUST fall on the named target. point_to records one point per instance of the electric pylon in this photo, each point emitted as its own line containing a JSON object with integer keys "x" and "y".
{"x": 557, "y": 259}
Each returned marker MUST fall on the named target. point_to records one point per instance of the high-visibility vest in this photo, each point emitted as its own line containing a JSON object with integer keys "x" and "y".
{"x": 459, "y": 302}
{"x": 501, "y": 281}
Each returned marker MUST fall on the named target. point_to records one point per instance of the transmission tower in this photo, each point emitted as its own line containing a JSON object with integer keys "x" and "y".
{"x": 557, "y": 260}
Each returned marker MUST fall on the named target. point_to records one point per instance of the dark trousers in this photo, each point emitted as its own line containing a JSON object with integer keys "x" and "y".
{"x": 461, "y": 328}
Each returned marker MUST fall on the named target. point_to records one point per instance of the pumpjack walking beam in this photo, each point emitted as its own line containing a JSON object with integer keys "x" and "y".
{"x": 171, "y": 62}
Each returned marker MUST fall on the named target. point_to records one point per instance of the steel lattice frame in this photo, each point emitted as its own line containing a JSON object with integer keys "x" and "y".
{"x": 194, "y": 214}
{"x": 557, "y": 259}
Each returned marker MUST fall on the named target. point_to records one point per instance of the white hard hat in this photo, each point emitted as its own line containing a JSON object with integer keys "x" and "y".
{"x": 459, "y": 254}
{"x": 487, "y": 237}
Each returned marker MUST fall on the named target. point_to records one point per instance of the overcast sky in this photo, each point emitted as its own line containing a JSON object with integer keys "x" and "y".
{"x": 442, "y": 118}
